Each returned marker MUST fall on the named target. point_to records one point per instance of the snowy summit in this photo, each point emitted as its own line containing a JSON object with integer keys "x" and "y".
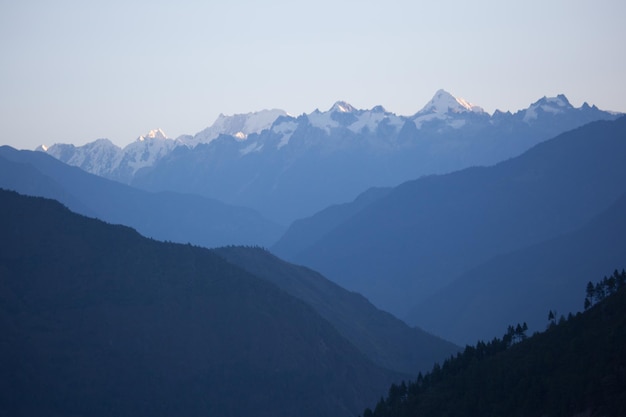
{"x": 444, "y": 102}
{"x": 342, "y": 107}
{"x": 153, "y": 134}
{"x": 238, "y": 125}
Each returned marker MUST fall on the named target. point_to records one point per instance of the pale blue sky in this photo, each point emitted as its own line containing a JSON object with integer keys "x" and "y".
{"x": 75, "y": 71}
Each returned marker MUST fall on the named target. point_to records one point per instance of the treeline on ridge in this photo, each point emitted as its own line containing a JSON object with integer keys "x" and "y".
{"x": 576, "y": 366}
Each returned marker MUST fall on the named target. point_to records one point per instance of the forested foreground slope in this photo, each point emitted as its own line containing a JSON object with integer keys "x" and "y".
{"x": 576, "y": 367}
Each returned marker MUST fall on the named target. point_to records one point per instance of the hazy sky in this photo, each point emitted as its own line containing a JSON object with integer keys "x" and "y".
{"x": 75, "y": 71}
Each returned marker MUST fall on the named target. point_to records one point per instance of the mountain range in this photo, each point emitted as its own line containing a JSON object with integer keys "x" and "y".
{"x": 387, "y": 341}
{"x": 194, "y": 219}
{"x": 398, "y": 247}
{"x": 290, "y": 167}
{"x": 458, "y": 221}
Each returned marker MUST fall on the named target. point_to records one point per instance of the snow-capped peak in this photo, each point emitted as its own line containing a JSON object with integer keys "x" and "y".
{"x": 238, "y": 125}
{"x": 444, "y": 103}
{"x": 153, "y": 134}
{"x": 342, "y": 107}
{"x": 552, "y": 105}
{"x": 558, "y": 101}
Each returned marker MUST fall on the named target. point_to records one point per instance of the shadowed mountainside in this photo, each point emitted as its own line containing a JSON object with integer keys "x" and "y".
{"x": 523, "y": 285}
{"x": 97, "y": 320}
{"x": 386, "y": 340}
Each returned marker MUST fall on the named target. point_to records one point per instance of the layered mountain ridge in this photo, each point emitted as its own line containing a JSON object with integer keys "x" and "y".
{"x": 171, "y": 216}
{"x": 385, "y": 340}
{"x": 398, "y": 247}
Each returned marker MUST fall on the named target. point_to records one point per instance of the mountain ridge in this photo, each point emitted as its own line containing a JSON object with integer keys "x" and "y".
{"x": 384, "y": 339}
{"x": 338, "y": 154}
{"x": 522, "y": 285}
{"x": 166, "y": 215}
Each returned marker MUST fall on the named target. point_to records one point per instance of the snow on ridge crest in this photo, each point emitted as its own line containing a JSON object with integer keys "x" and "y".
{"x": 239, "y": 125}
{"x": 285, "y": 129}
{"x": 342, "y": 107}
{"x": 444, "y": 106}
{"x": 153, "y": 134}
{"x": 554, "y": 105}
{"x": 102, "y": 157}
{"x": 444, "y": 103}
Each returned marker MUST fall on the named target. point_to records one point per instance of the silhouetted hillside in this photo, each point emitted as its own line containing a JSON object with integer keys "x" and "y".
{"x": 385, "y": 340}
{"x": 97, "y": 320}
{"x": 166, "y": 216}
{"x": 575, "y": 368}
{"x": 412, "y": 242}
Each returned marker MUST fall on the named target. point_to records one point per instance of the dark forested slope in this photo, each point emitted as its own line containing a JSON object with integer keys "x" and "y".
{"x": 575, "y": 368}
{"x": 96, "y": 320}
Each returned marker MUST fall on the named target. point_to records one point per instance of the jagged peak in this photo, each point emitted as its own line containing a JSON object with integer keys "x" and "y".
{"x": 239, "y": 125}
{"x": 153, "y": 134}
{"x": 545, "y": 104}
{"x": 342, "y": 107}
{"x": 101, "y": 142}
{"x": 444, "y": 102}
{"x": 378, "y": 109}
{"x": 559, "y": 101}
{"x": 246, "y": 123}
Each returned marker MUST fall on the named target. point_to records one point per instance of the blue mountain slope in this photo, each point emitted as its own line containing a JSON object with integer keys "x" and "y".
{"x": 525, "y": 284}
{"x": 166, "y": 215}
{"x": 405, "y": 246}
{"x": 384, "y": 339}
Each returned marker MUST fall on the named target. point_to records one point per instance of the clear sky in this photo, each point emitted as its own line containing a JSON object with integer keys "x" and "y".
{"x": 75, "y": 71}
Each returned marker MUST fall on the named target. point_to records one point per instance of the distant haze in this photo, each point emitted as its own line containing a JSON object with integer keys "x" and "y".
{"x": 76, "y": 71}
